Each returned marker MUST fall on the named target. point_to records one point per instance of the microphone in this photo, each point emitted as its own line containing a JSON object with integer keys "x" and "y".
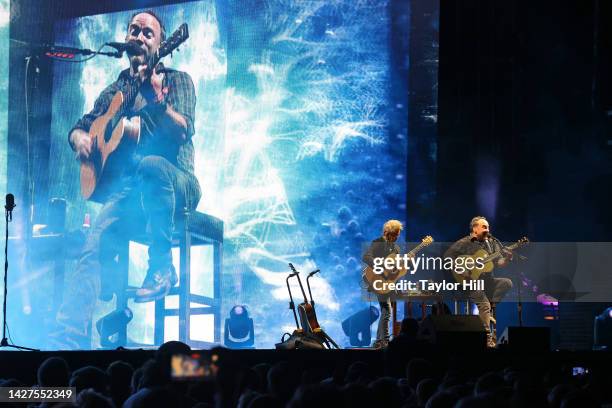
{"x": 9, "y": 205}
{"x": 10, "y": 202}
{"x": 314, "y": 272}
{"x": 498, "y": 241}
{"x": 131, "y": 47}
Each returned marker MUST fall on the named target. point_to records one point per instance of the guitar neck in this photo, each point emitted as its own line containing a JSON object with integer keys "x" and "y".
{"x": 514, "y": 246}
{"x": 416, "y": 249}
{"x": 498, "y": 254}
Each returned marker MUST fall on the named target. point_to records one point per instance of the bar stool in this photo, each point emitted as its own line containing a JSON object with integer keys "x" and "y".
{"x": 459, "y": 308}
{"x": 192, "y": 229}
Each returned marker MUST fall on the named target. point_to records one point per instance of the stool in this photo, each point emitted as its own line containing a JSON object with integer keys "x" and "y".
{"x": 193, "y": 229}
{"x": 457, "y": 299}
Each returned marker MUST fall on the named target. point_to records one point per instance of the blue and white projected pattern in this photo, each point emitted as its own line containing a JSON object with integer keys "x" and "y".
{"x": 292, "y": 144}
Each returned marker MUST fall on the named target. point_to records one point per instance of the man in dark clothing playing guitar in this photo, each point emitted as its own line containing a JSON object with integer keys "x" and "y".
{"x": 495, "y": 288}
{"x": 157, "y": 183}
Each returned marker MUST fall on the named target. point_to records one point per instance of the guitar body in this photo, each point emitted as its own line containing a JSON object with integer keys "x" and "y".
{"x": 308, "y": 317}
{"x": 474, "y": 273}
{"x": 390, "y": 275}
{"x": 109, "y": 133}
{"x": 113, "y": 135}
{"x": 488, "y": 261}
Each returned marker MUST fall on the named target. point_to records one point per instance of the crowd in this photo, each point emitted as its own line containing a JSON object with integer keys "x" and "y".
{"x": 420, "y": 383}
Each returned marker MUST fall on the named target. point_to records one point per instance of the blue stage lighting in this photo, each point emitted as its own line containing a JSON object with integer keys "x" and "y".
{"x": 239, "y": 331}
{"x": 357, "y": 326}
{"x": 602, "y": 330}
{"x": 110, "y": 325}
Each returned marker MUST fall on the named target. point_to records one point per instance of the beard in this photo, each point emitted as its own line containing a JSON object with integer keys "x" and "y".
{"x": 138, "y": 53}
{"x": 137, "y": 60}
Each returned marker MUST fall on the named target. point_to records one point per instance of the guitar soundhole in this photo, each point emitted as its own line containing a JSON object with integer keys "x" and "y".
{"x": 108, "y": 131}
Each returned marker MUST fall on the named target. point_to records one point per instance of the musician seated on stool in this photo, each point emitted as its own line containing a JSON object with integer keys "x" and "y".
{"x": 158, "y": 181}
{"x": 381, "y": 248}
{"x": 495, "y": 288}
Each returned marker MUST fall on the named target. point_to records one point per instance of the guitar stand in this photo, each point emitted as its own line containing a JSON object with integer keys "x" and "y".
{"x": 291, "y": 303}
{"x": 325, "y": 339}
{"x": 313, "y": 329}
{"x": 319, "y": 332}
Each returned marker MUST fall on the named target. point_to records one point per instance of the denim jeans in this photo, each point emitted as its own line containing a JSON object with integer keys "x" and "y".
{"x": 383, "y": 323}
{"x": 495, "y": 289}
{"x": 147, "y": 203}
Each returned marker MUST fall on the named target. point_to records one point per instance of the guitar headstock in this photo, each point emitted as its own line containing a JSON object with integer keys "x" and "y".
{"x": 523, "y": 241}
{"x": 427, "y": 240}
{"x": 174, "y": 41}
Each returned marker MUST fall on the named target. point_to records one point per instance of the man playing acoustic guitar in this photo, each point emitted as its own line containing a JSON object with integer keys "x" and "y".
{"x": 381, "y": 248}
{"x": 157, "y": 183}
{"x": 495, "y": 288}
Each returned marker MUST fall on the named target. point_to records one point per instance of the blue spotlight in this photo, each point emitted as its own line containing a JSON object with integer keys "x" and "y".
{"x": 239, "y": 331}
{"x": 602, "y": 330}
{"x": 357, "y": 326}
{"x": 110, "y": 325}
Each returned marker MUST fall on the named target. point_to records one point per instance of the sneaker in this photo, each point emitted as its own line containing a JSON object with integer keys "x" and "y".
{"x": 380, "y": 344}
{"x": 491, "y": 342}
{"x": 156, "y": 285}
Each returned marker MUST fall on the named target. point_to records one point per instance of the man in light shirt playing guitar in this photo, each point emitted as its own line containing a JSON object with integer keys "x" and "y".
{"x": 381, "y": 248}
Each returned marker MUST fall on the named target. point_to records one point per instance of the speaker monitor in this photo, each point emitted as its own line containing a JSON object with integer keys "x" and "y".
{"x": 462, "y": 332}
{"x": 525, "y": 338}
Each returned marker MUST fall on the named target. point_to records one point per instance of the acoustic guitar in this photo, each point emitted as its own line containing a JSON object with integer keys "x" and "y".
{"x": 113, "y": 132}
{"x": 486, "y": 259}
{"x": 393, "y": 274}
{"x": 306, "y": 310}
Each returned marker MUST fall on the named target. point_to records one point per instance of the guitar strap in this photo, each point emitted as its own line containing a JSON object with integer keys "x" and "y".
{"x": 488, "y": 243}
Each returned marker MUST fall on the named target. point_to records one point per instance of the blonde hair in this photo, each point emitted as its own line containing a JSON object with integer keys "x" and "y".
{"x": 392, "y": 226}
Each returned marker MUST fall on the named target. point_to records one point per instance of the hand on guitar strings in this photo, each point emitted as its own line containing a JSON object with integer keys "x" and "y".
{"x": 507, "y": 254}
{"x": 505, "y": 260}
{"x": 152, "y": 88}
{"x": 82, "y": 142}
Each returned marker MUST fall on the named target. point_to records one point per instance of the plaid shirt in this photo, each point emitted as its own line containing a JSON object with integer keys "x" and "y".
{"x": 181, "y": 96}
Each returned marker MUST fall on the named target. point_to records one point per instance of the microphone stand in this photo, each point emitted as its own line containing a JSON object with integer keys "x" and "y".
{"x": 8, "y": 215}
{"x": 57, "y": 53}
{"x": 32, "y": 74}
{"x": 519, "y": 303}
{"x": 61, "y": 52}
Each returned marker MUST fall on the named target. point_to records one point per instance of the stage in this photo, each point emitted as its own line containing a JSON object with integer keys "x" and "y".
{"x": 403, "y": 200}
{"x": 303, "y": 129}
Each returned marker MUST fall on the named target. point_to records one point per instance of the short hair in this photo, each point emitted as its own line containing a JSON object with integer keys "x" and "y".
{"x": 392, "y": 226}
{"x": 162, "y": 35}
{"x": 53, "y": 372}
{"x": 475, "y": 221}
{"x": 410, "y": 327}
